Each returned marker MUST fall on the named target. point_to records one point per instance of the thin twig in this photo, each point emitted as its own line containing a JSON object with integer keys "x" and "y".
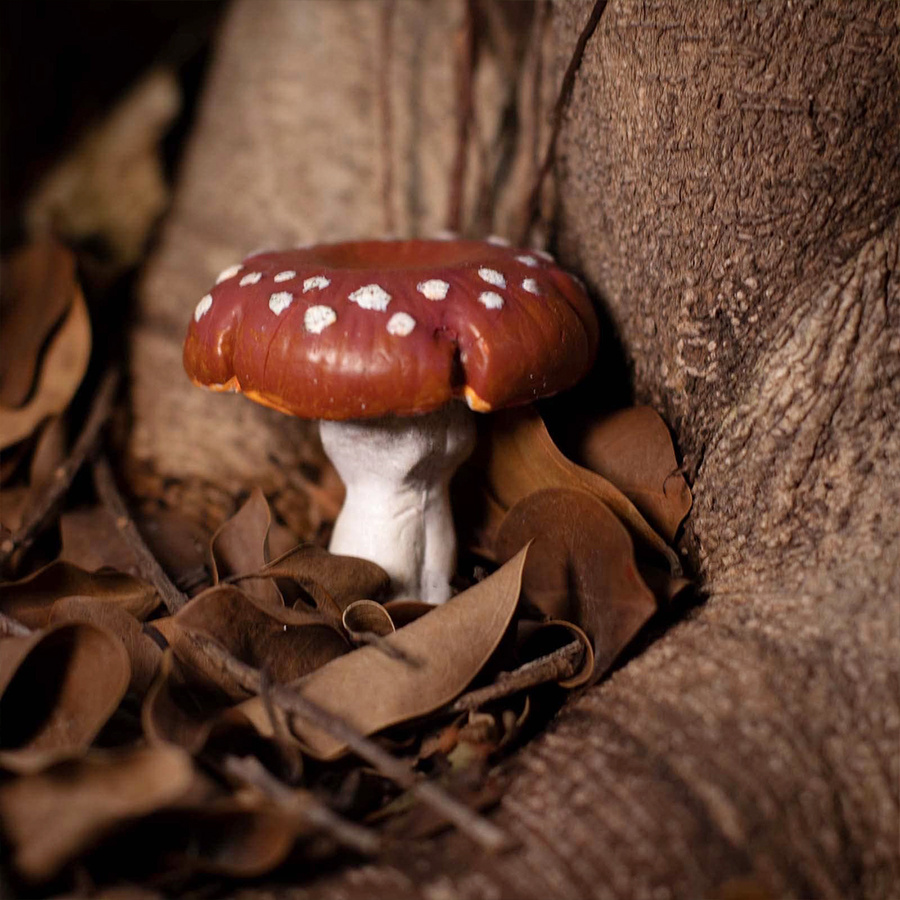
{"x": 487, "y": 835}
{"x": 532, "y": 206}
{"x": 304, "y": 805}
{"x": 10, "y": 627}
{"x": 148, "y": 567}
{"x": 46, "y": 501}
{"x": 555, "y": 666}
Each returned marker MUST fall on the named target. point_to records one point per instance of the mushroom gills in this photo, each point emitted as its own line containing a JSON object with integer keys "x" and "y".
{"x": 397, "y": 472}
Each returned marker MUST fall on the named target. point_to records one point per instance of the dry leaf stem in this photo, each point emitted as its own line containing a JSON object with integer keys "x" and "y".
{"x": 304, "y": 805}
{"x": 487, "y": 835}
{"x": 45, "y": 503}
{"x": 556, "y": 666}
{"x": 148, "y": 566}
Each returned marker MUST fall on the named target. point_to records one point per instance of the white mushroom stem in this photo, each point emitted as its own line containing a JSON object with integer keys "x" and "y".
{"x": 397, "y": 472}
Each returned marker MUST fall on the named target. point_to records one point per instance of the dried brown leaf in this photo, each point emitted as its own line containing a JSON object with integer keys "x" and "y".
{"x": 287, "y": 643}
{"x": 91, "y": 540}
{"x": 61, "y": 370}
{"x": 174, "y": 713}
{"x": 15, "y": 504}
{"x": 37, "y": 285}
{"x": 49, "y": 450}
{"x": 49, "y": 818}
{"x": 58, "y": 687}
{"x": 633, "y": 449}
{"x": 371, "y": 690}
{"x": 241, "y": 836}
{"x": 366, "y": 617}
{"x": 30, "y": 599}
{"x": 581, "y": 567}
{"x": 343, "y": 578}
{"x": 176, "y": 710}
{"x": 144, "y": 653}
{"x": 239, "y": 547}
{"x": 49, "y": 453}
{"x": 536, "y": 641}
{"x": 521, "y": 458}
{"x": 179, "y": 545}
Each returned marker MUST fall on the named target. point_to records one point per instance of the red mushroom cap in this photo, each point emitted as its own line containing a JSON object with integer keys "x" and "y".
{"x": 371, "y": 328}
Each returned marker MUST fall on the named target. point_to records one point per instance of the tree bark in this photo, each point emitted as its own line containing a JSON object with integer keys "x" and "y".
{"x": 728, "y": 183}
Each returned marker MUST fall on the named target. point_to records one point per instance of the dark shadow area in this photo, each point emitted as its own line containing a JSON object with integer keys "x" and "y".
{"x": 64, "y": 64}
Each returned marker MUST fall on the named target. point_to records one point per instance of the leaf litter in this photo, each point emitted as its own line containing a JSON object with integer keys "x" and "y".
{"x": 250, "y": 699}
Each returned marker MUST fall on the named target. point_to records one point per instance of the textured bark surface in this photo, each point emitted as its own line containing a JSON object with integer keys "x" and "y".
{"x": 729, "y": 185}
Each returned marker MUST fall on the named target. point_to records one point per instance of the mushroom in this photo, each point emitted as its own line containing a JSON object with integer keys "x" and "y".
{"x": 392, "y": 345}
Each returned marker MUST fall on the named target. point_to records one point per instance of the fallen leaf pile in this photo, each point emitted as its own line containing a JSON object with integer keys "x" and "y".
{"x": 273, "y": 706}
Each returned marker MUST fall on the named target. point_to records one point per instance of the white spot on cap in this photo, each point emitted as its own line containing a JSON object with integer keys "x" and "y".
{"x": 230, "y": 272}
{"x": 498, "y": 241}
{"x": 202, "y": 307}
{"x": 250, "y": 278}
{"x": 316, "y": 283}
{"x": 530, "y": 285}
{"x": 401, "y": 323}
{"x": 279, "y": 302}
{"x": 492, "y": 276}
{"x": 317, "y": 318}
{"x": 543, "y": 254}
{"x": 446, "y": 235}
{"x": 285, "y": 276}
{"x": 527, "y": 261}
{"x": 371, "y": 296}
{"x": 491, "y": 300}
{"x": 433, "y": 289}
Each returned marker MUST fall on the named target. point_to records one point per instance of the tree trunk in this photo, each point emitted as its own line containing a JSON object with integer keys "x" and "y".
{"x": 728, "y": 183}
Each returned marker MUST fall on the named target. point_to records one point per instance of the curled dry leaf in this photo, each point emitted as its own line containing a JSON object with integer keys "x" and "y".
{"x": 91, "y": 540}
{"x": 343, "y": 579}
{"x": 49, "y": 452}
{"x": 49, "y": 818}
{"x": 240, "y": 836}
{"x": 633, "y": 449}
{"x": 366, "y": 617}
{"x": 287, "y": 643}
{"x": 37, "y": 286}
{"x": 61, "y": 370}
{"x": 143, "y": 652}
{"x": 240, "y": 554}
{"x": 178, "y": 711}
{"x": 173, "y": 713}
{"x": 581, "y": 568}
{"x": 536, "y": 641}
{"x": 179, "y": 545}
{"x": 519, "y": 458}
{"x": 239, "y": 547}
{"x": 371, "y": 690}
{"x": 31, "y": 599}
{"x": 58, "y": 688}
